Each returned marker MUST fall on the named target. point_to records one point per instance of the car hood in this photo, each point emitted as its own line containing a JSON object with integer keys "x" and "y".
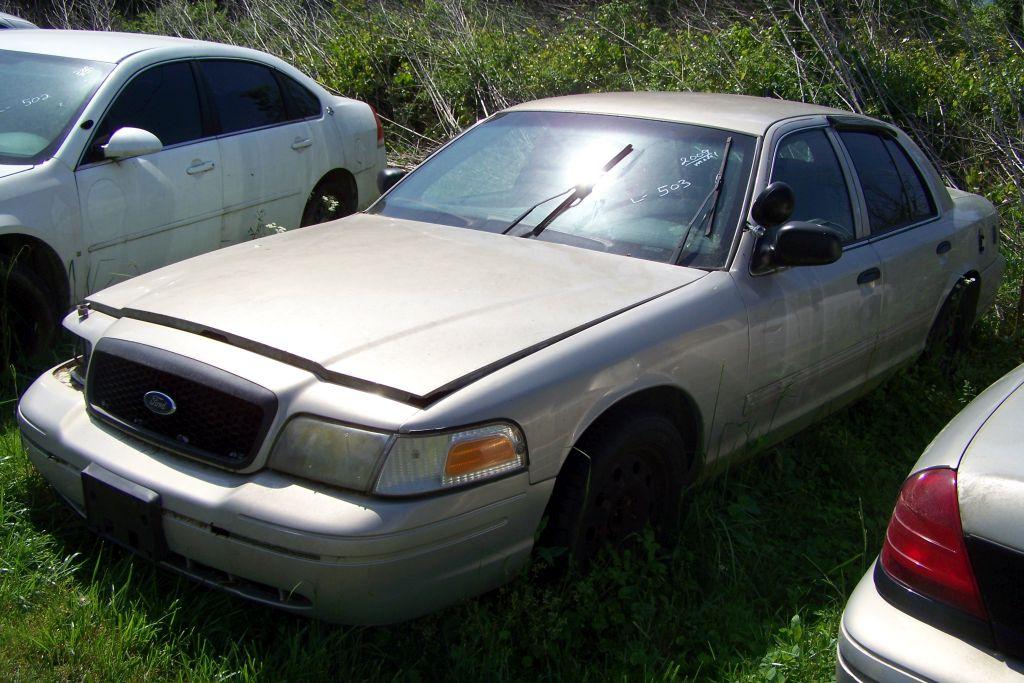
{"x": 11, "y": 169}
{"x": 990, "y": 478}
{"x": 410, "y": 308}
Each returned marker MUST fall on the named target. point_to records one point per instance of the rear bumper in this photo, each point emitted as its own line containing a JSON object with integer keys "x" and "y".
{"x": 320, "y": 552}
{"x": 879, "y": 642}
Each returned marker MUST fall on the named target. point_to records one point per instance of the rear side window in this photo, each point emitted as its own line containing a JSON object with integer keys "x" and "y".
{"x": 807, "y": 162}
{"x": 302, "y": 104}
{"x": 162, "y": 100}
{"x": 245, "y": 95}
{"x": 919, "y": 198}
{"x": 895, "y": 197}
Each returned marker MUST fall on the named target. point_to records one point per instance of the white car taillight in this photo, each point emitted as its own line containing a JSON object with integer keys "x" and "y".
{"x": 924, "y": 545}
{"x": 380, "y": 127}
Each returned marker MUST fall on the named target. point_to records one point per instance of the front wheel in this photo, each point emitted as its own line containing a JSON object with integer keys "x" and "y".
{"x": 621, "y": 478}
{"x": 28, "y": 320}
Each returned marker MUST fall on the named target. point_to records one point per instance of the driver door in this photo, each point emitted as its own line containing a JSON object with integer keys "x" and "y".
{"x": 149, "y": 211}
{"x": 812, "y": 329}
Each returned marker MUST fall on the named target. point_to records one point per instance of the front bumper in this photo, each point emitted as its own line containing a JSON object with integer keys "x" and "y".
{"x": 321, "y": 552}
{"x": 879, "y": 642}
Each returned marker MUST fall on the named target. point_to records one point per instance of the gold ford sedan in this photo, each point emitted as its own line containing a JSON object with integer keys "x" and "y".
{"x": 571, "y": 311}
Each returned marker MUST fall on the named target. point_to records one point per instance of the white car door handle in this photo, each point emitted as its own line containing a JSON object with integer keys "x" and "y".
{"x": 198, "y": 167}
{"x": 301, "y": 143}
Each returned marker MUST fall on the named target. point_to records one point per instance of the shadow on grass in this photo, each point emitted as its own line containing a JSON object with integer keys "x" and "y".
{"x": 790, "y": 532}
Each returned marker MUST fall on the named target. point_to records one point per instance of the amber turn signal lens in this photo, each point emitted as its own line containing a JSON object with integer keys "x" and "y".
{"x": 479, "y": 454}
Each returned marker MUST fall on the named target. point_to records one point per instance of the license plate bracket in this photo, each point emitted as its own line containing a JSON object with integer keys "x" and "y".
{"x": 124, "y": 512}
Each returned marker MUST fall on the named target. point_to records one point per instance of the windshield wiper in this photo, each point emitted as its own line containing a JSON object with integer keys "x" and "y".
{"x": 526, "y": 213}
{"x": 713, "y": 195}
{"x": 580, "y": 192}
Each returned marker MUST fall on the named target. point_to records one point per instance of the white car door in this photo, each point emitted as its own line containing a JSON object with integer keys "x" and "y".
{"x": 812, "y": 329}
{"x": 265, "y": 149}
{"x": 913, "y": 241}
{"x": 148, "y": 211}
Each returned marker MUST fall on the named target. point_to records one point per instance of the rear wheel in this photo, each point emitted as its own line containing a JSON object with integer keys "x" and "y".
{"x": 948, "y": 334}
{"x": 622, "y": 477}
{"x": 333, "y": 197}
{"x": 28, "y": 320}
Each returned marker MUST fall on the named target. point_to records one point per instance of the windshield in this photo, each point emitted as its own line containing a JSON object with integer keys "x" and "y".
{"x": 39, "y": 100}
{"x": 642, "y": 207}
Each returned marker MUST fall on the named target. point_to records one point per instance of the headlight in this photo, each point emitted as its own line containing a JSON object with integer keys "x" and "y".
{"x": 420, "y": 464}
{"x": 333, "y": 453}
{"x": 349, "y": 457}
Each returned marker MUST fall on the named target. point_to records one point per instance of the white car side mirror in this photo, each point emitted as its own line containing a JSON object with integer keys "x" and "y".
{"x": 126, "y": 143}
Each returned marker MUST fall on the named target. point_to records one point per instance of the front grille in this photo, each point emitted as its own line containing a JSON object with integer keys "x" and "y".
{"x": 1000, "y": 574}
{"x": 216, "y": 416}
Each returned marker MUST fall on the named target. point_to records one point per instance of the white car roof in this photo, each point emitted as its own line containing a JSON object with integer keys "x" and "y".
{"x": 740, "y": 113}
{"x": 11, "y": 21}
{"x": 107, "y": 46}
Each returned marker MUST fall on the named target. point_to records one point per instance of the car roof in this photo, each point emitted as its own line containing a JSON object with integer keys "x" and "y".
{"x": 104, "y": 46}
{"x": 11, "y": 21}
{"x": 740, "y": 113}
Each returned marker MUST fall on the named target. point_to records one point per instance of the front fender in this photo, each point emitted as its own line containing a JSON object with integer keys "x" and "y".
{"x": 693, "y": 338}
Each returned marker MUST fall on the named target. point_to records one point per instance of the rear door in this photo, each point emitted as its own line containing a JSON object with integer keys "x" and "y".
{"x": 266, "y": 150}
{"x": 146, "y": 212}
{"x": 812, "y": 329}
{"x": 913, "y": 241}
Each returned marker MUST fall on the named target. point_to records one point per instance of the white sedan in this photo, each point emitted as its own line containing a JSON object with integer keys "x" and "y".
{"x": 11, "y": 21}
{"x": 121, "y": 153}
{"x": 944, "y": 601}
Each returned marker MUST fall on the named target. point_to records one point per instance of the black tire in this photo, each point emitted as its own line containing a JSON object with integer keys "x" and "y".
{"x": 28, "y": 319}
{"x": 621, "y": 477}
{"x": 948, "y": 334}
{"x": 333, "y": 197}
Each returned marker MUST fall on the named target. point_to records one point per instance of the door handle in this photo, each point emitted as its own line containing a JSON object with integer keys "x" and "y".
{"x": 301, "y": 143}
{"x": 869, "y": 275}
{"x": 198, "y": 167}
{"x": 943, "y": 247}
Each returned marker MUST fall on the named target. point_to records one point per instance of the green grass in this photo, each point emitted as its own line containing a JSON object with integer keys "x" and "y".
{"x": 754, "y": 584}
{"x": 751, "y": 589}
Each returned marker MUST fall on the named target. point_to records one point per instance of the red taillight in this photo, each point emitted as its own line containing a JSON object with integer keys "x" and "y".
{"x": 924, "y": 545}
{"x": 380, "y": 128}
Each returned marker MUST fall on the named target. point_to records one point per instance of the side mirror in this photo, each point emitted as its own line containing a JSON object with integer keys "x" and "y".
{"x": 387, "y": 178}
{"x": 799, "y": 244}
{"x": 774, "y": 205}
{"x": 126, "y": 143}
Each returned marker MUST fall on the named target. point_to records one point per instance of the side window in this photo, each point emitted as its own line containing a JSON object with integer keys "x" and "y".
{"x": 807, "y": 162}
{"x": 245, "y": 95}
{"x": 895, "y": 196}
{"x": 302, "y": 104}
{"x": 162, "y": 100}
{"x": 918, "y": 196}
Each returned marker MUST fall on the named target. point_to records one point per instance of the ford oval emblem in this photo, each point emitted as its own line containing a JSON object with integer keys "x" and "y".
{"x": 160, "y": 403}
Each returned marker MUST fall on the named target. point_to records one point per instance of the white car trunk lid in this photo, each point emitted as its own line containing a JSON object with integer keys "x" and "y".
{"x": 990, "y": 477}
